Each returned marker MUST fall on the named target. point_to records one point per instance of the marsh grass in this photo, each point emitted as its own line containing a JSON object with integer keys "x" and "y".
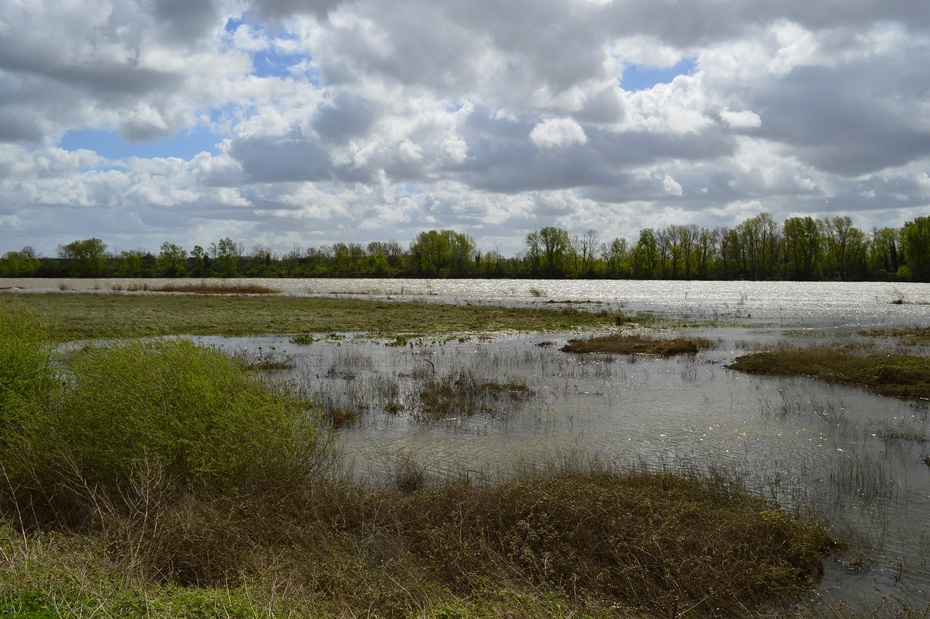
{"x": 224, "y": 287}
{"x": 882, "y": 373}
{"x": 78, "y": 316}
{"x": 573, "y": 543}
{"x": 463, "y": 393}
{"x": 637, "y": 345}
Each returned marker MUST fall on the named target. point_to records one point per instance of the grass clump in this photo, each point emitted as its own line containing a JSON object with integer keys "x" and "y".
{"x": 882, "y": 373}
{"x": 462, "y": 393}
{"x": 637, "y": 345}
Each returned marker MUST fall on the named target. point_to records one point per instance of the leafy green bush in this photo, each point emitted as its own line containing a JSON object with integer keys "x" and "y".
{"x": 165, "y": 416}
{"x": 192, "y": 409}
{"x": 25, "y": 376}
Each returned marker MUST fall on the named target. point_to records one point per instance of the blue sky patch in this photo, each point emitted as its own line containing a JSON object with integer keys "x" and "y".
{"x": 643, "y": 77}
{"x": 108, "y": 144}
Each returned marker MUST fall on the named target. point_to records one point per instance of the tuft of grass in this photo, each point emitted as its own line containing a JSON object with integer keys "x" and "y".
{"x": 638, "y": 344}
{"x": 462, "y": 393}
{"x": 225, "y": 287}
{"x": 882, "y": 373}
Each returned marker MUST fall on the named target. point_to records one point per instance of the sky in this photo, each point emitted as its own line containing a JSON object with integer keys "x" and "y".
{"x": 290, "y": 124}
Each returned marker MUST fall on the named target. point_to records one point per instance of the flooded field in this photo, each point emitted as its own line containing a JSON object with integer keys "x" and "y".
{"x": 480, "y": 406}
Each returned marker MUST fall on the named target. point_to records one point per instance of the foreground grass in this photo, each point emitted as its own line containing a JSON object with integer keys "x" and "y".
{"x": 86, "y": 316}
{"x": 599, "y": 543}
{"x": 882, "y": 373}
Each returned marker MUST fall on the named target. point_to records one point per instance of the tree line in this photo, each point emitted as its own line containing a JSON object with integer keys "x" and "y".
{"x": 759, "y": 248}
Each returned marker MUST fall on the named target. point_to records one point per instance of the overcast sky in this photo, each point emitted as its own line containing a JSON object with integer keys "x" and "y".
{"x": 298, "y": 123}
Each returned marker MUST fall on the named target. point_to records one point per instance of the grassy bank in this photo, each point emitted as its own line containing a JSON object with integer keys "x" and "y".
{"x": 164, "y": 479}
{"x": 881, "y": 372}
{"x": 86, "y": 316}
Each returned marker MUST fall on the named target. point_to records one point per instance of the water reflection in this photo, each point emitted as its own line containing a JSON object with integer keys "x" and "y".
{"x": 855, "y": 458}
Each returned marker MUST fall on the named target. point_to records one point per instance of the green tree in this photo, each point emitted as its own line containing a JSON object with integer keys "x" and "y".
{"x": 884, "y": 252}
{"x": 616, "y": 257}
{"x": 22, "y": 263}
{"x": 645, "y": 255}
{"x": 556, "y": 246}
{"x": 85, "y": 258}
{"x": 226, "y": 256}
{"x": 845, "y": 248}
{"x": 802, "y": 247}
{"x": 915, "y": 237}
{"x": 759, "y": 246}
{"x": 171, "y": 261}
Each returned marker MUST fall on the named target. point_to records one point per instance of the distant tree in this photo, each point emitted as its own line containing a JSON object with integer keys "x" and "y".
{"x": 645, "y": 255}
{"x": 556, "y": 246}
{"x": 759, "y": 246}
{"x": 200, "y": 261}
{"x": 226, "y": 256}
{"x": 533, "y": 254}
{"x": 707, "y": 251}
{"x": 85, "y": 258}
{"x": 22, "y": 263}
{"x": 885, "y": 252}
{"x": 171, "y": 261}
{"x": 802, "y": 247}
{"x": 130, "y": 263}
{"x": 616, "y": 258}
{"x": 915, "y": 237}
{"x": 845, "y": 248}
{"x": 442, "y": 254}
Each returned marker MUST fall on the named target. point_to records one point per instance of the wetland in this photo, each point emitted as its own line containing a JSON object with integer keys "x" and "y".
{"x": 439, "y": 394}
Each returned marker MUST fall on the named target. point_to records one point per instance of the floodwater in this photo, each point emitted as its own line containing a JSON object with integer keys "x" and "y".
{"x": 855, "y": 459}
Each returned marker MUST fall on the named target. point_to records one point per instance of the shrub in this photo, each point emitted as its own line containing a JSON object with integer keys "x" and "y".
{"x": 25, "y": 375}
{"x": 169, "y": 414}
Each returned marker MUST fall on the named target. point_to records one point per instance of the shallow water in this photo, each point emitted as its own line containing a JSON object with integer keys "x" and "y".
{"x": 854, "y": 458}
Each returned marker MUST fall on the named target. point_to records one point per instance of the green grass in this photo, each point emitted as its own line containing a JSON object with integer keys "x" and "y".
{"x": 87, "y": 316}
{"x": 883, "y": 373}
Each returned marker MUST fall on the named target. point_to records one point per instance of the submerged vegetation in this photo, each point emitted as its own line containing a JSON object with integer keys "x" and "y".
{"x": 165, "y": 479}
{"x": 621, "y": 344}
{"x": 881, "y": 372}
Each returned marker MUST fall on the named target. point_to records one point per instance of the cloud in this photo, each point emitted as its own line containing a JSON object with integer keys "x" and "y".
{"x": 557, "y": 132}
{"x": 368, "y": 120}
